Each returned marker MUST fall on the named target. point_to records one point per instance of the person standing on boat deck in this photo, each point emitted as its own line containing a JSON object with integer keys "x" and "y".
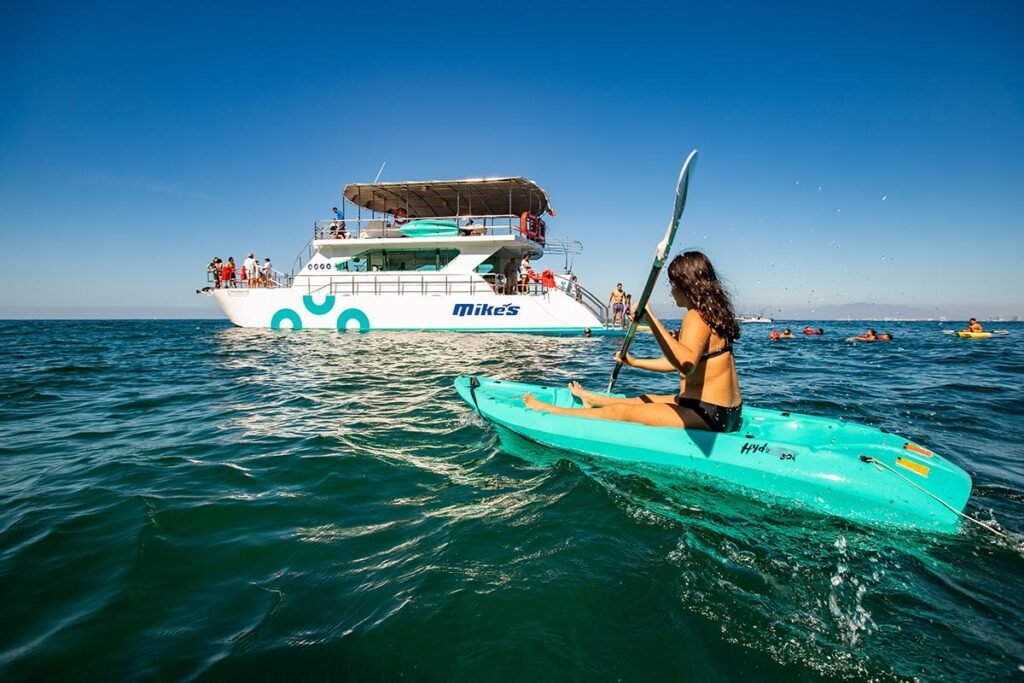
{"x": 249, "y": 268}
{"x": 627, "y": 312}
{"x": 265, "y": 272}
{"x": 227, "y": 273}
{"x": 525, "y": 271}
{"x": 511, "y": 273}
{"x": 215, "y": 268}
{"x": 617, "y": 307}
{"x": 702, "y": 353}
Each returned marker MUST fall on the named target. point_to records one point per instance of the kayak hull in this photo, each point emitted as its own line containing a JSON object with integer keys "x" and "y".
{"x": 973, "y": 335}
{"x": 806, "y": 461}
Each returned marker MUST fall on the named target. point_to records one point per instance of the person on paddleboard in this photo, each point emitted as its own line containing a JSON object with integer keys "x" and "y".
{"x": 702, "y": 353}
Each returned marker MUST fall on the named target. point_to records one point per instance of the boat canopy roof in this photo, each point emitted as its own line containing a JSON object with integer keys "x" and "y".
{"x": 434, "y": 198}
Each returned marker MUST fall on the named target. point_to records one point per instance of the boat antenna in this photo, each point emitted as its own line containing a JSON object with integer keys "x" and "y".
{"x": 380, "y": 171}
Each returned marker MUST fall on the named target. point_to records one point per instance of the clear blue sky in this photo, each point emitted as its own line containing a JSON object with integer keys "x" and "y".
{"x": 849, "y": 151}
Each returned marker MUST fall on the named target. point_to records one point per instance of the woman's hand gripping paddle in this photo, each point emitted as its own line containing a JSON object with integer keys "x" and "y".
{"x": 660, "y": 256}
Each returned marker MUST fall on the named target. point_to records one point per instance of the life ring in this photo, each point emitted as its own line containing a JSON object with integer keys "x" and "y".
{"x": 532, "y": 227}
{"x": 401, "y": 216}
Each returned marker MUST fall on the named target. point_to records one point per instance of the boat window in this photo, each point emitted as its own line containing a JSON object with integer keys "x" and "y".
{"x": 396, "y": 260}
{"x": 488, "y": 266}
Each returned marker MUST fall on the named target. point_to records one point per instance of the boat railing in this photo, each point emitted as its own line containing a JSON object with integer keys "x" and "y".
{"x": 303, "y": 257}
{"x": 386, "y": 228}
{"x": 584, "y": 296}
{"x": 277, "y": 280}
{"x": 425, "y": 284}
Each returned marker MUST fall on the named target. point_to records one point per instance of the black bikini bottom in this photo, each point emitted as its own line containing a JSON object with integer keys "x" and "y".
{"x": 718, "y": 418}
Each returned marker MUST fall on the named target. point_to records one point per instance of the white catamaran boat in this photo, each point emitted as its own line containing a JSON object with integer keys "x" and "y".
{"x": 434, "y": 255}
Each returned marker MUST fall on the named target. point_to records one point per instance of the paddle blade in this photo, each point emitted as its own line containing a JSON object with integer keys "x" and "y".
{"x": 660, "y": 256}
{"x": 682, "y": 185}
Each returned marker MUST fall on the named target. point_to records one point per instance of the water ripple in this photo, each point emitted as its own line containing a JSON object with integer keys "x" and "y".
{"x": 188, "y": 499}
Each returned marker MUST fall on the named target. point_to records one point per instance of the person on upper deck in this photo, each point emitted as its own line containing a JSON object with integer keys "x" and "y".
{"x": 338, "y": 230}
{"x": 702, "y": 353}
{"x": 471, "y": 229}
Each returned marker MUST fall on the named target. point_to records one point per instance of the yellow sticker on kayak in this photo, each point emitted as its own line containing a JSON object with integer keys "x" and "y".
{"x": 916, "y": 467}
{"x": 920, "y": 450}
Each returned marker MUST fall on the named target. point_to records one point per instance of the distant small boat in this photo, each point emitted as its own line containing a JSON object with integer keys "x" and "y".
{"x": 755, "y": 319}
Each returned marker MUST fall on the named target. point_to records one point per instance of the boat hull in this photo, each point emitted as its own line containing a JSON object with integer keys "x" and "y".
{"x": 806, "y": 461}
{"x": 289, "y": 308}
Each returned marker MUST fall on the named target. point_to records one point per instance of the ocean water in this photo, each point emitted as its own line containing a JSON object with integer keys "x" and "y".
{"x": 187, "y": 499}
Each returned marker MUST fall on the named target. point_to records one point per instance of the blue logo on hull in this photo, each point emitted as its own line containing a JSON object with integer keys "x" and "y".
{"x": 462, "y": 310}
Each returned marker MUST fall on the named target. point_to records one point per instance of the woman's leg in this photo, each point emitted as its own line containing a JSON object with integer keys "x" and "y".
{"x": 652, "y": 414}
{"x": 594, "y": 400}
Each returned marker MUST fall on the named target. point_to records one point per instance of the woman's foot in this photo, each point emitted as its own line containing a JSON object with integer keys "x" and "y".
{"x": 533, "y": 402}
{"x": 577, "y": 390}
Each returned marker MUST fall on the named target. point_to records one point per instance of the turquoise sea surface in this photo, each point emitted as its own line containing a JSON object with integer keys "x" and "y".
{"x": 187, "y": 499}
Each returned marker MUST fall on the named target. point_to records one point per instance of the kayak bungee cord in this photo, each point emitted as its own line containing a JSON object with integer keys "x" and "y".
{"x": 881, "y": 465}
{"x": 660, "y": 256}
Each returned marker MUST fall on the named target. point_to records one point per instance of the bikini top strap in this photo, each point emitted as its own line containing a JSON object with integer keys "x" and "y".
{"x": 725, "y": 349}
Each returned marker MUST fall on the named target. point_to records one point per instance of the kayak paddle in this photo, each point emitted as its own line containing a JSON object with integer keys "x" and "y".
{"x": 660, "y": 255}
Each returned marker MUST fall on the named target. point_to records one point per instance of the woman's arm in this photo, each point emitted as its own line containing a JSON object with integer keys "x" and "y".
{"x": 653, "y": 364}
{"x": 683, "y": 353}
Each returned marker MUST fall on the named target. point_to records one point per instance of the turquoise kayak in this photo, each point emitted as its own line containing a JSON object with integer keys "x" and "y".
{"x": 429, "y": 228}
{"x": 829, "y": 466}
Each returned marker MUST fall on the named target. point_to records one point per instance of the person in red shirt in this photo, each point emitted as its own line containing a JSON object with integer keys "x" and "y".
{"x": 227, "y": 274}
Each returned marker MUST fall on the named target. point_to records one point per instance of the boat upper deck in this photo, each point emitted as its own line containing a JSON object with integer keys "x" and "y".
{"x": 440, "y": 209}
{"x": 452, "y": 198}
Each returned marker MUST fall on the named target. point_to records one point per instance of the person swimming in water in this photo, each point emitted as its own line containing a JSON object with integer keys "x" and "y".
{"x": 787, "y": 334}
{"x": 867, "y": 336}
{"x": 702, "y": 354}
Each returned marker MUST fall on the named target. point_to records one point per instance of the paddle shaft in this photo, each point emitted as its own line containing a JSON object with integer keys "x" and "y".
{"x": 660, "y": 256}
{"x": 652, "y": 279}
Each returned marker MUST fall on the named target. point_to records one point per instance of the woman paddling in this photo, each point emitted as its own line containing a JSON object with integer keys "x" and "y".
{"x": 709, "y": 390}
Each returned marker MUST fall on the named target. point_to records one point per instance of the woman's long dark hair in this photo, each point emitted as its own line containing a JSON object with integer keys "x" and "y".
{"x": 694, "y": 275}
